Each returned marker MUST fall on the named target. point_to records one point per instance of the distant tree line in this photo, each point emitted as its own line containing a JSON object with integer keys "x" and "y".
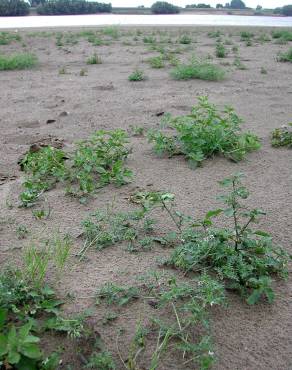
{"x": 52, "y": 7}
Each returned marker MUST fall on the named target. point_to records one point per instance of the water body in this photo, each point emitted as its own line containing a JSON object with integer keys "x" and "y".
{"x": 151, "y": 20}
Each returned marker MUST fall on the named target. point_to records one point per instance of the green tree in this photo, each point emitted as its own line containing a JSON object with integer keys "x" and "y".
{"x": 237, "y": 4}
{"x": 163, "y": 7}
{"x": 287, "y": 10}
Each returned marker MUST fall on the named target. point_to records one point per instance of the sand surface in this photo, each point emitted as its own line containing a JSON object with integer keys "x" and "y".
{"x": 246, "y": 338}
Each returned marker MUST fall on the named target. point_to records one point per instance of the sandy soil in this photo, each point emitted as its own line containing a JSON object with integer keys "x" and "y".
{"x": 245, "y": 337}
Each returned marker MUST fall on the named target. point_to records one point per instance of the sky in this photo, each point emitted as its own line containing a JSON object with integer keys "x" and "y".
{"x": 249, "y": 3}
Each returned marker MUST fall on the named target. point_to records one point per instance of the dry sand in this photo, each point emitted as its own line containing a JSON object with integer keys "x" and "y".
{"x": 245, "y": 337}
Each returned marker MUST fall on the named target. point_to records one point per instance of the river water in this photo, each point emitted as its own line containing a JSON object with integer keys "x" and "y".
{"x": 134, "y": 19}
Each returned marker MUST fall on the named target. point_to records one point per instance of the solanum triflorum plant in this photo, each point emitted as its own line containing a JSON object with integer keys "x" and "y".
{"x": 244, "y": 257}
{"x": 203, "y": 133}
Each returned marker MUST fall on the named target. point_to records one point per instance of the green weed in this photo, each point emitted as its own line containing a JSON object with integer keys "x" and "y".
{"x": 282, "y": 136}
{"x": 204, "y": 133}
{"x": 198, "y": 70}
{"x": 7, "y": 37}
{"x": 156, "y": 62}
{"x": 137, "y": 75}
{"x": 221, "y": 51}
{"x": 244, "y": 257}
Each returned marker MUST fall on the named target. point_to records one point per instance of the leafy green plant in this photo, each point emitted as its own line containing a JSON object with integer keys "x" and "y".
{"x": 285, "y": 57}
{"x": 99, "y": 161}
{"x": 204, "y": 133}
{"x": 202, "y": 70}
{"x": 282, "y": 136}
{"x": 137, "y": 75}
{"x": 113, "y": 294}
{"x": 94, "y": 163}
{"x": 245, "y": 258}
{"x": 187, "y": 306}
{"x": 45, "y": 168}
{"x": 17, "y": 61}
{"x": 94, "y": 59}
{"x": 264, "y": 71}
{"x": 101, "y": 361}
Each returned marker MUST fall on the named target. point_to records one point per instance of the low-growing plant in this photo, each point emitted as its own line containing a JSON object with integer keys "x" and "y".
{"x": 94, "y": 59}
{"x": 238, "y": 64}
{"x": 101, "y": 361}
{"x": 196, "y": 69}
{"x": 285, "y": 35}
{"x": 246, "y": 35}
{"x": 204, "y": 133}
{"x": 137, "y": 75}
{"x": 221, "y": 51}
{"x": 111, "y": 31}
{"x": 187, "y": 306}
{"x": 94, "y": 163}
{"x": 264, "y": 71}
{"x": 244, "y": 257}
{"x": 17, "y": 61}
{"x": 282, "y": 136}
{"x": 44, "y": 168}
{"x": 156, "y": 62}
{"x": 285, "y": 57}
{"x": 113, "y": 294}
{"x": 7, "y": 37}
{"x": 185, "y": 39}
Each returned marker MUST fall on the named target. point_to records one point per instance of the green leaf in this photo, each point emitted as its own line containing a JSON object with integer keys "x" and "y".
{"x": 13, "y": 357}
{"x": 3, "y": 345}
{"x": 3, "y": 317}
{"x": 254, "y": 297}
{"x": 214, "y": 213}
{"x": 262, "y": 233}
{"x": 31, "y": 350}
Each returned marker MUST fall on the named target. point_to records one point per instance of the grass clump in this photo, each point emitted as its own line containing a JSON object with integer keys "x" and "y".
{"x": 7, "y": 37}
{"x": 156, "y": 62}
{"x": 282, "y": 136}
{"x": 284, "y": 35}
{"x": 201, "y": 70}
{"x": 244, "y": 257}
{"x": 137, "y": 75}
{"x": 17, "y": 61}
{"x": 185, "y": 39}
{"x": 204, "y": 133}
{"x": 94, "y": 59}
{"x": 246, "y": 36}
{"x": 286, "y": 57}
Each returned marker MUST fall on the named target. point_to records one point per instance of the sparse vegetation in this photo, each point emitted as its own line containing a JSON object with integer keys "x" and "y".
{"x": 94, "y": 59}
{"x": 94, "y": 163}
{"x": 282, "y": 136}
{"x": 245, "y": 258}
{"x": 17, "y": 61}
{"x": 201, "y": 70}
{"x": 137, "y": 75}
{"x": 286, "y": 57}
